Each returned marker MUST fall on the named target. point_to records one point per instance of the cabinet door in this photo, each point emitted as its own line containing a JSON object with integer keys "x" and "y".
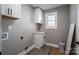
{"x": 15, "y": 10}
{"x": 11, "y": 10}
{"x": 38, "y": 16}
{"x": 39, "y": 40}
{"x": 4, "y": 9}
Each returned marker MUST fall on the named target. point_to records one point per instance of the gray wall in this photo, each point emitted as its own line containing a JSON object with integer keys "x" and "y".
{"x": 54, "y": 36}
{"x": 0, "y": 29}
{"x": 77, "y": 29}
{"x": 73, "y": 13}
{"x": 20, "y": 27}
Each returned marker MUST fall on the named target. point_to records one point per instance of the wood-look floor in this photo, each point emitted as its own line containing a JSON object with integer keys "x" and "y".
{"x": 55, "y": 51}
{"x": 46, "y": 50}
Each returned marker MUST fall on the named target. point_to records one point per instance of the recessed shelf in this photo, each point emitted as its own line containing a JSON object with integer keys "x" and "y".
{"x": 4, "y": 36}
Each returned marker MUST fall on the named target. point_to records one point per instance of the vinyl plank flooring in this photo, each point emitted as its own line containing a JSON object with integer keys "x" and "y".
{"x": 46, "y": 50}
{"x": 42, "y": 51}
{"x": 55, "y": 51}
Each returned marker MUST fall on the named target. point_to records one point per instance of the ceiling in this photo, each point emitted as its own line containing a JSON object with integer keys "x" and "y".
{"x": 46, "y": 6}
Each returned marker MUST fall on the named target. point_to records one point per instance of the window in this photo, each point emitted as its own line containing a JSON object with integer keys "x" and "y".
{"x": 51, "y": 20}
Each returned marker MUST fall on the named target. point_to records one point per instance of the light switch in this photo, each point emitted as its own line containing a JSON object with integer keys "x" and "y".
{"x": 9, "y": 27}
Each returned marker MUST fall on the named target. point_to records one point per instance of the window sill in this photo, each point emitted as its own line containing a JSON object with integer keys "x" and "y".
{"x": 51, "y": 27}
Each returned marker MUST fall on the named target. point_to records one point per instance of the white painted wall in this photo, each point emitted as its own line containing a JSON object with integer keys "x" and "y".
{"x": 73, "y": 13}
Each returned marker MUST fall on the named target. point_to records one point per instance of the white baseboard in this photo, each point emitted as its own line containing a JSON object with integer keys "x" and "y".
{"x": 31, "y": 47}
{"x": 52, "y": 45}
{"x": 26, "y": 51}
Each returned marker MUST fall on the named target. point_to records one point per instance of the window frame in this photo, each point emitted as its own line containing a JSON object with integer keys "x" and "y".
{"x": 46, "y": 20}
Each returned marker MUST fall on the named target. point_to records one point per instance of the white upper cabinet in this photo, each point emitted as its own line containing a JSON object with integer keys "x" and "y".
{"x": 38, "y": 16}
{"x": 11, "y": 10}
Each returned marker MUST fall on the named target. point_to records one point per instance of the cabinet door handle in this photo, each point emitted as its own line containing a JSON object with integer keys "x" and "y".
{"x": 44, "y": 37}
{"x": 8, "y": 10}
{"x": 11, "y": 11}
